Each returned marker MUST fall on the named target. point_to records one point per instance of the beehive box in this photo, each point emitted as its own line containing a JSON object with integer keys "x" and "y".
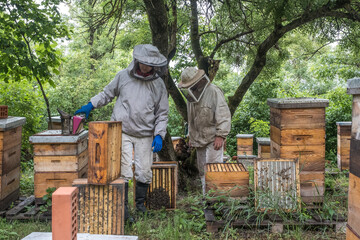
{"x": 175, "y": 141}
{"x": 244, "y": 144}
{"x": 263, "y": 147}
{"x": 353, "y": 226}
{"x": 163, "y": 187}
{"x": 58, "y": 160}
{"x": 56, "y": 123}
{"x": 10, "y": 152}
{"x": 227, "y": 179}
{"x": 276, "y": 184}
{"x": 104, "y": 152}
{"x": 343, "y": 144}
{"x": 101, "y": 207}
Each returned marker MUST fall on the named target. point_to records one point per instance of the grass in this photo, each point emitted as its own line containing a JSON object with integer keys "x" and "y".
{"x": 188, "y": 220}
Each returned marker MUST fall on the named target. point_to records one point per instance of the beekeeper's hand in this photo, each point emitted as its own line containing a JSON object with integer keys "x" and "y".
{"x": 157, "y": 143}
{"x": 218, "y": 143}
{"x": 85, "y": 109}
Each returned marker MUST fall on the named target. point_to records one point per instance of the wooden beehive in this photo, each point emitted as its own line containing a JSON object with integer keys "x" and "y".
{"x": 263, "y": 147}
{"x": 353, "y": 226}
{"x": 3, "y": 111}
{"x": 175, "y": 141}
{"x": 101, "y": 207}
{"x": 343, "y": 144}
{"x": 10, "y": 152}
{"x": 297, "y": 131}
{"x": 228, "y": 179}
{"x": 104, "y": 152}
{"x": 276, "y": 184}
{"x": 244, "y": 144}
{"x": 56, "y": 123}
{"x": 58, "y": 160}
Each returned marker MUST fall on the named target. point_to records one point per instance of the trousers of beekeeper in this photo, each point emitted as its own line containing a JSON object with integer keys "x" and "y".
{"x": 207, "y": 154}
{"x": 143, "y": 158}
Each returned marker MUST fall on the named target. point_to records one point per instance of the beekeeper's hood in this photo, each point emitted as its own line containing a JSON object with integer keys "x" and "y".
{"x": 193, "y": 83}
{"x": 149, "y": 55}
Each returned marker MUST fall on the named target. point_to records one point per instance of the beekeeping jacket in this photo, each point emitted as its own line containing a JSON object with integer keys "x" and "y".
{"x": 208, "y": 118}
{"x": 142, "y": 102}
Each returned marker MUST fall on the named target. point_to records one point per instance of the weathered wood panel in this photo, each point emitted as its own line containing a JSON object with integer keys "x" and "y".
{"x": 10, "y": 138}
{"x": 227, "y": 179}
{"x": 60, "y": 163}
{"x": 9, "y": 182}
{"x": 264, "y": 151}
{"x": 45, "y": 180}
{"x": 297, "y": 137}
{"x": 312, "y": 186}
{"x": 311, "y": 158}
{"x": 101, "y": 207}
{"x": 10, "y": 159}
{"x": 104, "y": 152}
{"x": 353, "y": 203}
{"x": 343, "y": 152}
{"x": 355, "y": 157}
{"x": 60, "y": 149}
{"x": 297, "y": 118}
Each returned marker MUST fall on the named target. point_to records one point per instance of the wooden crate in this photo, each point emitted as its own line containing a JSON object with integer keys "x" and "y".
{"x": 61, "y": 148}
{"x": 227, "y": 179}
{"x": 101, "y": 207}
{"x": 311, "y": 157}
{"x": 10, "y": 159}
{"x": 312, "y": 186}
{"x": 354, "y": 207}
{"x": 45, "y": 180}
{"x": 297, "y": 137}
{"x": 61, "y": 163}
{"x": 343, "y": 144}
{"x": 244, "y": 144}
{"x": 104, "y": 152}
{"x": 263, "y": 147}
{"x": 276, "y": 184}
{"x": 9, "y": 183}
{"x": 10, "y": 138}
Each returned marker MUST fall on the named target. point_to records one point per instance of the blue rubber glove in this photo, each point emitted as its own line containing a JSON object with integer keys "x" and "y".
{"x": 85, "y": 109}
{"x": 157, "y": 144}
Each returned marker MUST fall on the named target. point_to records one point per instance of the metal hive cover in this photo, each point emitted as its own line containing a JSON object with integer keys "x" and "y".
{"x": 277, "y": 184}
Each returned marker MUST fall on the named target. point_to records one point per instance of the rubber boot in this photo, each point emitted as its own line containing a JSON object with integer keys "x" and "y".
{"x": 140, "y": 196}
{"x": 128, "y": 218}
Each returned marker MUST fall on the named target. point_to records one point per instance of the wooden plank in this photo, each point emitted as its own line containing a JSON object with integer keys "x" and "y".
{"x": 60, "y": 163}
{"x": 10, "y": 138}
{"x": 10, "y": 159}
{"x": 14, "y": 211}
{"x": 311, "y": 158}
{"x": 104, "y": 152}
{"x": 9, "y": 183}
{"x": 350, "y": 235}
{"x": 343, "y": 144}
{"x": 355, "y": 157}
{"x": 60, "y": 149}
{"x": 344, "y": 130}
{"x": 355, "y": 126}
{"x": 353, "y": 203}
{"x": 45, "y": 180}
{"x": 297, "y": 118}
{"x": 297, "y": 137}
{"x": 9, "y": 199}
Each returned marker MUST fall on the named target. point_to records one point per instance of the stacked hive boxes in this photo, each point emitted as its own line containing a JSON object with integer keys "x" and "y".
{"x": 343, "y": 144}
{"x": 58, "y": 160}
{"x": 263, "y": 147}
{"x": 297, "y": 130}
{"x": 101, "y": 195}
{"x": 353, "y": 226}
{"x": 10, "y": 151}
{"x": 245, "y": 147}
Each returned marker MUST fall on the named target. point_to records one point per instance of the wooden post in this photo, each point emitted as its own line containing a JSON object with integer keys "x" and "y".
{"x": 353, "y": 226}
{"x": 104, "y": 152}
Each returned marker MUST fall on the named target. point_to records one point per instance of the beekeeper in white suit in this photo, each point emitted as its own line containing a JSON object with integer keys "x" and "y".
{"x": 209, "y": 118}
{"x": 142, "y": 107}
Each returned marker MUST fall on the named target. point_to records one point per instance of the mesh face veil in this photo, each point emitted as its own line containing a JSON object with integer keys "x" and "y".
{"x": 194, "y": 92}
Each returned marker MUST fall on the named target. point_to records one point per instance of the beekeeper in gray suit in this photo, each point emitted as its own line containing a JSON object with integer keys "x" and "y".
{"x": 142, "y": 106}
{"x": 209, "y": 118}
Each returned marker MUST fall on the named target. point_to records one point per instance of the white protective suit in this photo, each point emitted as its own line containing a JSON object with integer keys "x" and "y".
{"x": 142, "y": 107}
{"x": 208, "y": 118}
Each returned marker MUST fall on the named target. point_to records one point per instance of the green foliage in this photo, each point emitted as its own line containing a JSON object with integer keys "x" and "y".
{"x": 29, "y": 30}
{"x": 48, "y": 199}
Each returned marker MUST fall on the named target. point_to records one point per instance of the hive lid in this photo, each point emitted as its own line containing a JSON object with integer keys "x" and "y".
{"x": 244, "y": 135}
{"x": 263, "y": 140}
{"x": 246, "y": 157}
{"x": 11, "y": 122}
{"x": 54, "y": 136}
{"x": 353, "y": 86}
{"x": 343, "y": 123}
{"x": 297, "y": 102}
{"x": 175, "y": 138}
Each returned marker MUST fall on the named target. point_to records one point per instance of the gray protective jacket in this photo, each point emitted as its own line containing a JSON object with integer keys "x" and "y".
{"x": 209, "y": 117}
{"x": 141, "y": 105}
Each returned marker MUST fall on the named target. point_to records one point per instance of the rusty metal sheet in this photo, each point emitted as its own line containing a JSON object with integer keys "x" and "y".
{"x": 277, "y": 184}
